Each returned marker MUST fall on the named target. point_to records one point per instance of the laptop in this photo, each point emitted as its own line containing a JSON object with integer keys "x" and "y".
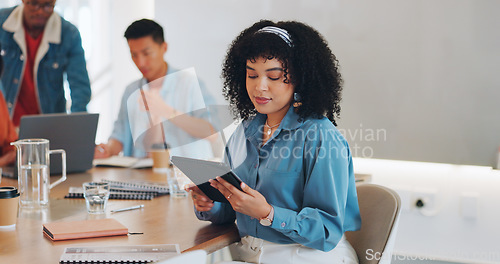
{"x": 75, "y": 133}
{"x": 200, "y": 171}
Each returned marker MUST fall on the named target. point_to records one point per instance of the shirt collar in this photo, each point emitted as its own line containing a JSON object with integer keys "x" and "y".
{"x": 289, "y": 122}
{"x": 144, "y": 83}
{"x": 52, "y": 31}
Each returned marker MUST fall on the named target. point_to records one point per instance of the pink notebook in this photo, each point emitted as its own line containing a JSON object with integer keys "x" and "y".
{"x": 84, "y": 229}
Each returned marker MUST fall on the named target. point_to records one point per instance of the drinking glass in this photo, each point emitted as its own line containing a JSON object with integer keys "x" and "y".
{"x": 176, "y": 182}
{"x": 96, "y": 196}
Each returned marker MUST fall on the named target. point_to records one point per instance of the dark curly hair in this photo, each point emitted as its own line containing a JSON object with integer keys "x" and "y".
{"x": 309, "y": 65}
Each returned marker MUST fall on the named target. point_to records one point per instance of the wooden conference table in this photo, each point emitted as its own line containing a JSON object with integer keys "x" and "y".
{"x": 163, "y": 220}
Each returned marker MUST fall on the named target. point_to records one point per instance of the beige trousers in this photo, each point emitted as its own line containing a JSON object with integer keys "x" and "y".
{"x": 255, "y": 250}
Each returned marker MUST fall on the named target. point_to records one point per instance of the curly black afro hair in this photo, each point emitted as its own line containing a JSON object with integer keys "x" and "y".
{"x": 309, "y": 65}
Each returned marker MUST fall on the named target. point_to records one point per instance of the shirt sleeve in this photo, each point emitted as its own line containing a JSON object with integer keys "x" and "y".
{"x": 221, "y": 213}
{"x": 320, "y": 222}
{"x": 121, "y": 128}
{"x": 77, "y": 75}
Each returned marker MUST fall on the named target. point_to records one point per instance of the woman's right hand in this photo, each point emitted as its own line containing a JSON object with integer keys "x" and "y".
{"x": 201, "y": 202}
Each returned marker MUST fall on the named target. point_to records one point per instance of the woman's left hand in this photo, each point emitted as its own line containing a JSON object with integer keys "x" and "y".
{"x": 248, "y": 201}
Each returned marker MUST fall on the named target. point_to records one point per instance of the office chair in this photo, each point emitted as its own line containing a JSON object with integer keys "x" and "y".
{"x": 191, "y": 257}
{"x": 379, "y": 208}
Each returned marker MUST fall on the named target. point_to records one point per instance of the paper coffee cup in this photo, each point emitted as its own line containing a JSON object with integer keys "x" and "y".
{"x": 161, "y": 160}
{"x": 9, "y": 202}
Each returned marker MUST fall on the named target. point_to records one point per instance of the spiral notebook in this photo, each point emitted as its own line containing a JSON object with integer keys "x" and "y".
{"x": 158, "y": 188}
{"x": 77, "y": 192}
{"x": 126, "y": 190}
{"x": 119, "y": 254}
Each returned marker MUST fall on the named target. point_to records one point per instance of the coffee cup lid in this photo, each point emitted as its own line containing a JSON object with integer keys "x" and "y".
{"x": 8, "y": 192}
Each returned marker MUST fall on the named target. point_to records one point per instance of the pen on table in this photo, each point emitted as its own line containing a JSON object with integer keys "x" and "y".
{"x": 128, "y": 208}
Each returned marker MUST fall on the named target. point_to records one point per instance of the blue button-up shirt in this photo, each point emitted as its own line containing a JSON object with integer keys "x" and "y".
{"x": 304, "y": 171}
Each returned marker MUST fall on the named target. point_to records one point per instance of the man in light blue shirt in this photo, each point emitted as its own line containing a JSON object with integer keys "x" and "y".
{"x": 164, "y": 98}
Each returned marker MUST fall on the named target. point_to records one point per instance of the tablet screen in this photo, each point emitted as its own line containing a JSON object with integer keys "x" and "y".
{"x": 200, "y": 171}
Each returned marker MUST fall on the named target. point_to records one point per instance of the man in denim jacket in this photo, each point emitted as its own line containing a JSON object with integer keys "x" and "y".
{"x": 31, "y": 34}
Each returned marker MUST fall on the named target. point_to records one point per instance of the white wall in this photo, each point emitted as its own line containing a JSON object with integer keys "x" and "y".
{"x": 424, "y": 71}
{"x": 199, "y": 32}
{"x": 120, "y": 67}
{"x": 7, "y": 3}
{"x": 459, "y": 221}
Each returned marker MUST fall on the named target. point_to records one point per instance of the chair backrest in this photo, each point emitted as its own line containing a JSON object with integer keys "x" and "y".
{"x": 191, "y": 257}
{"x": 379, "y": 208}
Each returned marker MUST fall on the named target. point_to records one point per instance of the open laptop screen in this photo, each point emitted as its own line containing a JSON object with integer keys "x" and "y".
{"x": 75, "y": 133}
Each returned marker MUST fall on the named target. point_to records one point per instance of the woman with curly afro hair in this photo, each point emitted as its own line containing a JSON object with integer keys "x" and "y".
{"x": 298, "y": 195}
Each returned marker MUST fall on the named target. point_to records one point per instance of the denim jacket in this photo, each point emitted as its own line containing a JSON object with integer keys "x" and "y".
{"x": 60, "y": 53}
